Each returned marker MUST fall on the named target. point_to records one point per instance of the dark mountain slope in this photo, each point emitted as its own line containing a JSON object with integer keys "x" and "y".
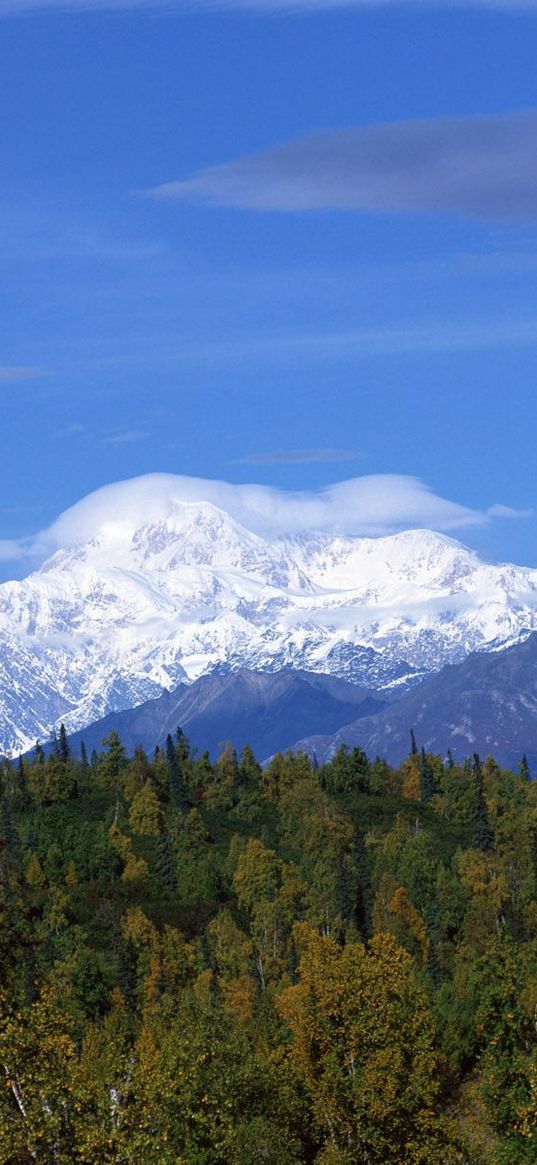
{"x": 266, "y": 711}
{"x": 487, "y": 704}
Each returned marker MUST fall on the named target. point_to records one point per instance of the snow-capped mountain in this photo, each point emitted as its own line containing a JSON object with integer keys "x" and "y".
{"x": 149, "y": 596}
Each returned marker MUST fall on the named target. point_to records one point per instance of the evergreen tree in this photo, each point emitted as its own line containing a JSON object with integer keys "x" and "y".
{"x": 9, "y": 840}
{"x": 483, "y": 837}
{"x": 183, "y": 745}
{"x": 364, "y": 896}
{"x": 249, "y": 768}
{"x": 450, "y": 763}
{"x": 83, "y": 756}
{"x": 427, "y": 783}
{"x": 524, "y": 768}
{"x": 178, "y": 792}
{"x": 112, "y": 763}
{"x": 39, "y": 754}
{"x": 413, "y": 745}
{"x": 63, "y": 745}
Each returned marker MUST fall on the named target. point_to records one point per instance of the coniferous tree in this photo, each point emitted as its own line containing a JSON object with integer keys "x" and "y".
{"x": 483, "y": 837}
{"x": 112, "y": 763}
{"x": 524, "y": 768}
{"x": 183, "y": 745}
{"x": 450, "y": 763}
{"x": 427, "y": 783}
{"x": 413, "y": 745}
{"x": 63, "y": 745}
{"x": 83, "y": 756}
{"x": 364, "y": 896}
{"x": 9, "y": 841}
{"x": 39, "y": 754}
{"x": 178, "y": 793}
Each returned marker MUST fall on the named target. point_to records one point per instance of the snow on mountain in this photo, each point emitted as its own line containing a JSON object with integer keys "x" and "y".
{"x": 150, "y": 595}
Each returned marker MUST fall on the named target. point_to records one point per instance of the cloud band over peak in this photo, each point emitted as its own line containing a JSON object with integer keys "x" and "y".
{"x": 368, "y": 506}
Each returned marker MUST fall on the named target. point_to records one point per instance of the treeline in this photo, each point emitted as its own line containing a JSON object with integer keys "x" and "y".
{"x": 214, "y": 964}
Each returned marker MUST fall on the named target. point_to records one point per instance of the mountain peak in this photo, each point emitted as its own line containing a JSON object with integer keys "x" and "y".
{"x": 154, "y": 583}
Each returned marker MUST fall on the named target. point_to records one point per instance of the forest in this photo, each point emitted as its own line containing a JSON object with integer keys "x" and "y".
{"x": 211, "y": 963}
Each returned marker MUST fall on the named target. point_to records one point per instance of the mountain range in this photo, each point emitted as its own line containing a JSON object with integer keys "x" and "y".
{"x": 145, "y": 600}
{"x": 265, "y": 710}
{"x": 486, "y": 704}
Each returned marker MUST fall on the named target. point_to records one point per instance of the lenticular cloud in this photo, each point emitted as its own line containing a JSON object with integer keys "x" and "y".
{"x": 363, "y": 506}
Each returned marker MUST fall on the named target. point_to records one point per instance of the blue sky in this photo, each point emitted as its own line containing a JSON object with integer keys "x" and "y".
{"x": 290, "y": 246}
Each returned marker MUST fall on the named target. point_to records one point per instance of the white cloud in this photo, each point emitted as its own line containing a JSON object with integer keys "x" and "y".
{"x": 477, "y": 167}
{"x": 499, "y": 511}
{"x": 369, "y": 506}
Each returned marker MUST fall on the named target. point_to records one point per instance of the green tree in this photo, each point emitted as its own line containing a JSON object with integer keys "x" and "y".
{"x": 179, "y": 799}
{"x": 483, "y": 836}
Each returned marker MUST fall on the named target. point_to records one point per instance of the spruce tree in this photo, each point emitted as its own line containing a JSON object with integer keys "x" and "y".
{"x": 83, "y": 756}
{"x": 449, "y": 759}
{"x": 182, "y": 744}
{"x": 483, "y": 836}
{"x": 63, "y": 745}
{"x": 413, "y": 745}
{"x": 178, "y": 793}
{"x": 524, "y": 768}
{"x": 9, "y": 840}
{"x": 364, "y": 891}
{"x": 427, "y": 783}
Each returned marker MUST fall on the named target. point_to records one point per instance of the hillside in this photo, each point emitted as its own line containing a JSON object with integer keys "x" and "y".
{"x": 486, "y": 704}
{"x": 263, "y": 710}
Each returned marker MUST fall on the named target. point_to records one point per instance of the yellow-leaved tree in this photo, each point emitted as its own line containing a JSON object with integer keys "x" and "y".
{"x": 363, "y": 1043}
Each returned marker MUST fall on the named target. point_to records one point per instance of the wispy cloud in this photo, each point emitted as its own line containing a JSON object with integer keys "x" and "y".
{"x": 125, "y": 437}
{"x": 435, "y": 336}
{"x": 14, "y": 373}
{"x": 10, "y": 7}
{"x": 297, "y": 457}
{"x": 371, "y": 505}
{"x": 499, "y": 511}
{"x": 477, "y": 167}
